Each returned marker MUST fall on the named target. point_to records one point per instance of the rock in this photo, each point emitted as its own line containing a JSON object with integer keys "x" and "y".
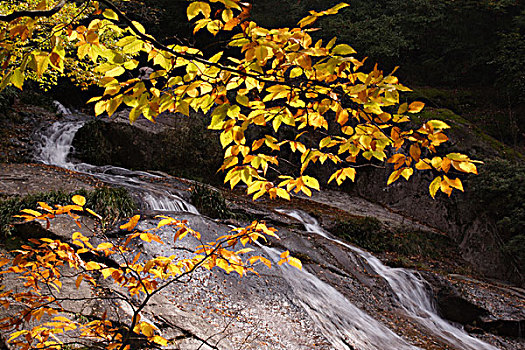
{"x": 457, "y": 309}
{"x": 479, "y": 306}
{"x": 175, "y": 144}
{"x": 508, "y": 328}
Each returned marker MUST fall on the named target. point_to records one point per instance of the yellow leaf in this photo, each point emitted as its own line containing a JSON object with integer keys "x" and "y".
{"x": 79, "y": 200}
{"x": 394, "y": 176}
{"x": 343, "y": 50}
{"x": 295, "y": 262}
{"x": 311, "y": 182}
{"x": 41, "y": 62}
{"x": 438, "y": 124}
{"x": 91, "y": 265}
{"x": 93, "y": 213}
{"x": 422, "y": 165}
{"x": 159, "y": 340}
{"x": 197, "y": 7}
{"x": 306, "y": 21}
{"x": 456, "y": 183}
{"x": 465, "y": 167}
{"x": 147, "y": 329}
{"x": 407, "y": 172}
{"x": 17, "y": 78}
{"x": 139, "y": 27}
{"x": 295, "y": 72}
{"x": 115, "y": 72}
{"x": 110, "y": 14}
{"x": 104, "y": 246}
{"x": 434, "y": 186}
{"x": 32, "y": 212}
{"x": 402, "y": 108}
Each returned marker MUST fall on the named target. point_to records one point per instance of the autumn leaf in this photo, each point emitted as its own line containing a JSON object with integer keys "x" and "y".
{"x": 415, "y": 107}
{"x": 131, "y": 224}
{"x": 434, "y": 186}
{"x": 79, "y": 200}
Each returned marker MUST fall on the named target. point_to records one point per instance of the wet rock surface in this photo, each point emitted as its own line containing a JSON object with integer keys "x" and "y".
{"x": 264, "y": 313}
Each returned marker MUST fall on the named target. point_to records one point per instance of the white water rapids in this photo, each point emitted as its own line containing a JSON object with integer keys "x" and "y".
{"x": 56, "y": 146}
{"x": 342, "y": 323}
{"x": 410, "y": 289}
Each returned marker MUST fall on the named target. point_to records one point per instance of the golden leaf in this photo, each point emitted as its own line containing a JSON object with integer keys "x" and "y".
{"x": 79, "y": 200}
{"x": 130, "y": 225}
{"x": 415, "y": 107}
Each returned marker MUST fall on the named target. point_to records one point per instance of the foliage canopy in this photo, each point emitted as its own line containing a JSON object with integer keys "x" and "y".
{"x": 264, "y": 84}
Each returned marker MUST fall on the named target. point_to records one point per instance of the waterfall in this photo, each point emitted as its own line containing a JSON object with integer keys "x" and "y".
{"x": 410, "y": 289}
{"x": 61, "y": 109}
{"x": 341, "y": 322}
{"x": 56, "y": 146}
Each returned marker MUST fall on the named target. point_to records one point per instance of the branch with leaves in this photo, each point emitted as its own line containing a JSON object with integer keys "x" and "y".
{"x": 40, "y": 11}
{"x": 275, "y": 83}
{"x": 41, "y": 266}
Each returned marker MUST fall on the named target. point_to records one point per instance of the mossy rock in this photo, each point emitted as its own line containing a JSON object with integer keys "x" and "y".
{"x": 466, "y": 136}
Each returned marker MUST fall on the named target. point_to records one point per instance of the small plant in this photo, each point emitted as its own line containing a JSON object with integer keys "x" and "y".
{"x": 210, "y": 202}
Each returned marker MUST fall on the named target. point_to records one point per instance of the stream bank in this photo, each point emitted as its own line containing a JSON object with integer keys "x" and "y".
{"x": 254, "y": 304}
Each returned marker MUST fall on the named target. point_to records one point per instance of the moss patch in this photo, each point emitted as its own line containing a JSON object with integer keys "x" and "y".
{"x": 210, "y": 202}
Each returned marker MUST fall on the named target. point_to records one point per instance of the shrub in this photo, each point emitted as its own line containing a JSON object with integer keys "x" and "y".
{"x": 210, "y": 202}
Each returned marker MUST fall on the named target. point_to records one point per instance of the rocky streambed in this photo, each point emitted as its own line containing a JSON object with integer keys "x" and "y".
{"x": 343, "y": 298}
{"x": 267, "y": 311}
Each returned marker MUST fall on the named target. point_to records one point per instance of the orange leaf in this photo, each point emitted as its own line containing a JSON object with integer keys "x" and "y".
{"x": 132, "y": 223}
{"x": 79, "y": 280}
{"x": 415, "y": 107}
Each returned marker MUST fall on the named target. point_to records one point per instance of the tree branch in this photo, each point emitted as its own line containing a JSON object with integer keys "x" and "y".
{"x": 33, "y": 13}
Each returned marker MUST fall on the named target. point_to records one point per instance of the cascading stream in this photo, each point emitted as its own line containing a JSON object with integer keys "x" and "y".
{"x": 341, "y": 322}
{"x": 410, "y": 289}
{"x": 56, "y": 146}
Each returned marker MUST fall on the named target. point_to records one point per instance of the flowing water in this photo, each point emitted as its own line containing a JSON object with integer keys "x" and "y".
{"x": 342, "y": 323}
{"x": 411, "y": 290}
{"x": 56, "y": 146}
